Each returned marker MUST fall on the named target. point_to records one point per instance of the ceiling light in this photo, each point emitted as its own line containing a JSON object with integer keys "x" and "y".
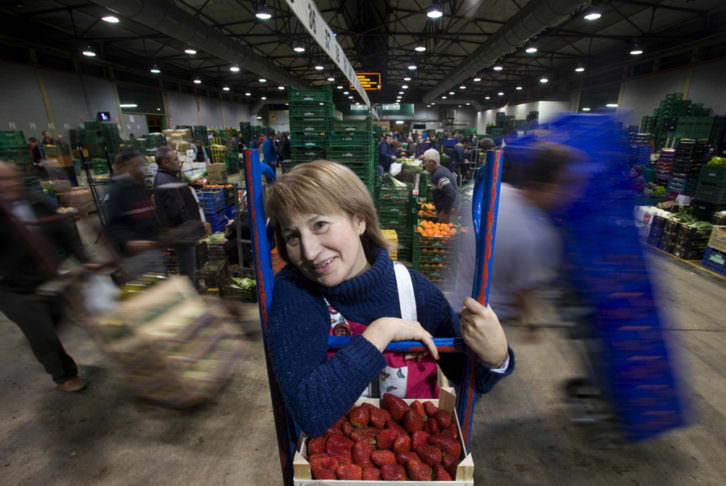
{"x": 468, "y": 104}
{"x": 586, "y": 108}
{"x": 262, "y": 80}
{"x": 350, "y": 97}
{"x": 412, "y": 67}
{"x": 129, "y": 105}
{"x": 519, "y": 88}
{"x": 300, "y": 49}
{"x": 501, "y": 93}
{"x": 459, "y": 106}
{"x": 498, "y": 68}
{"x": 89, "y": 52}
{"x": 476, "y": 80}
{"x": 443, "y": 97}
{"x": 197, "y": 81}
{"x": 636, "y": 50}
{"x": 404, "y": 86}
{"x": 281, "y": 88}
{"x": 190, "y": 51}
{"x": 225, "y": 88}
{"x": 263, "y": 98}
{"x": 331, "y": 79}
{"x": 531, "y": 50}
{"x": 339, "y": 87}
{"x": 452, "y": 93}
{"x": 234, "y": 69}
{"x": 110, "y": 19}
{"x": 407, "y": 78}
{"x": 155, "y": 70}
{"x": 399, "y": 122}
{"x": 262, "y": 13}
{"x": 434, "y": 12}
{"x": 580, "y": 69}
{"x": 544, "y": 80}
{"x": 248, "y": 93}
{"x": 158, "y": 109}
{"x": 592, "y": 15}
{"x": 612, "y": 105}
{"x": 487, "y": 98}
{"x": 420, "y": 48}
{"x": 428, "y": 106}
{"x": 400, "y": 92}
{"x": 319, "y": 67}
{"x": 259, "y": 117}
{"x": 346, "y": 93}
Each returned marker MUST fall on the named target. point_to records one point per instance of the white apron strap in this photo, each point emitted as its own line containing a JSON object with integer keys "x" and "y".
{"x": 406, "y": 297}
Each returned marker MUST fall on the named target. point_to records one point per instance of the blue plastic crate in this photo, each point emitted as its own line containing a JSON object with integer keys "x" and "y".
{"x": 229, "y": 212}
{"x": 715, "y": 260}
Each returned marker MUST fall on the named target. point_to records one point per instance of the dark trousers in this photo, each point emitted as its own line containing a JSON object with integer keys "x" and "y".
{"x": 186, "y": 259}
{"x": 37, "y": 317}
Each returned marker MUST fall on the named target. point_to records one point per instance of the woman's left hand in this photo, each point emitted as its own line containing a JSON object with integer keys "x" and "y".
{"x": 483, "y": 333}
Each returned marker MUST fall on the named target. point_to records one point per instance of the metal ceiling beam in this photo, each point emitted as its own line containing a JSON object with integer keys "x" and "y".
{"x": 167, "y": 18}
{"x": 537, "y": 16}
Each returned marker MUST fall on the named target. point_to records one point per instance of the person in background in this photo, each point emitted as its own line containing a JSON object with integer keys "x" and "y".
{"x": 32, "y": 234}
{"x": 458, "y": 158}
{"x": 36, "y": 157}
{"x": 421, "y": 147}
{"x": 200, "y": 153}
{"x": 434, "y": 143}
{"x": 339, "y": 280}
{"x": 443, "y": 185}
{"x": 386, "y": 154}
{"x": 175, "y": 206}
{"x": 46, "y": 138}
{"x": 268, "y": 150}
{"x": 411, "y": 148}
{"x": 284, "y": 152}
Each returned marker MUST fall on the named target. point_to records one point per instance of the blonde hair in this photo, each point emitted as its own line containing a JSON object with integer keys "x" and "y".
{"x": 321, "y": 187}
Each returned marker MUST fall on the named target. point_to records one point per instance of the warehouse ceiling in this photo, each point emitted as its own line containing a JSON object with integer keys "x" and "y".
{"x": 377, "y": 36}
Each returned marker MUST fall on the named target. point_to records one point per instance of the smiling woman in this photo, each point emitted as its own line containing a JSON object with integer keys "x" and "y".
{"x": 340, "y": 281}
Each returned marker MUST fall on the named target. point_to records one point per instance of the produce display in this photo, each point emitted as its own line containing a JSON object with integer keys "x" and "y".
{"x": 426, "y": 210}
{"x": 431, "y": 229}
{"x": 398, "y": 442}
{"x": 717, "y": 161}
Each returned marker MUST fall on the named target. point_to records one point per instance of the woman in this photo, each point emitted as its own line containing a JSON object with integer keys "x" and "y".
{"x": 340, "y": 280}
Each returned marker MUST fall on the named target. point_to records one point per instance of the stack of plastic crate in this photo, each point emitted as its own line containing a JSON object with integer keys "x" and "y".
{"x": 14, "y": 149}
{"x": 690, "y": 157}
{"x": 232, "y": 161}
{"x": 217, "y": 153}
{"x": 664, "y": 166}
{"x": 352, "y": 144}
{"x": 213, "y": 203}
{"x": 395, "y": 206}
{"x": 311, "y": 117}
{"x": 711, "y": 192}
{"x": 434, "y": 257}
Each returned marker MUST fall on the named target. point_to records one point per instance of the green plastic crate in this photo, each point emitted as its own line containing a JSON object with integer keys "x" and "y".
{"x": 310, "y": 125}
{"x": 347, "y": 126}
{"x": 350, "y": 139}
{"x": 310, "y": 95}
{"x": 713, "y": 174}
{"x": 320, "y": 110}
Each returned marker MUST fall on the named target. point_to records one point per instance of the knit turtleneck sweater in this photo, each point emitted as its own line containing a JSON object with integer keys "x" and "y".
{"x": 317, "y": 390}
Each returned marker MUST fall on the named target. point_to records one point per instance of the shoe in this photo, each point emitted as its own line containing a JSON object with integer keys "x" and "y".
{"x": 73, "y": 385}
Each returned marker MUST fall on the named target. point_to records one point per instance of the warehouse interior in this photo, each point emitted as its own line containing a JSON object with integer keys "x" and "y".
{"x": 142, "y": 75}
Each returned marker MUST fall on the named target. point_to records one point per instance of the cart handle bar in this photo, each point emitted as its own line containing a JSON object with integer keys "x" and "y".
{"x": 444, "y": 345}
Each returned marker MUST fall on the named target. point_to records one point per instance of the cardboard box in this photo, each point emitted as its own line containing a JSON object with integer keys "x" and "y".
{"x": 79, "y": 198}
{"x": 217, "y": 173}
{"x": 718, "y": 238}
{"x": 302, "y": 475}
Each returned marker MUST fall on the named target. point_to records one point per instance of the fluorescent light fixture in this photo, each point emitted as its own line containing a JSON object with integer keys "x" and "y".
{"x": 487, "y": 98}
{"x": 281, "y": 88}
{"x": 350, "y": 97}
{"x": 263, "y": 98}
{"x": 443, "y": 97}
{"x": 299, "y": 49}
{"x": 462, "y": 87}
{"x": 331, "y": 79}
{"x": 612, "y": 105}
{"x": 190, "y": 51}
{"x": 234, "y": 69}
{"x": 519, "y": 88}
{"x": 592, "y": 15}
{"x": 158, "y": 109}
{"x": 407, "y": 78}
{"x": 129, "y": 105}
{"x": 433, "y": 103}
{"x": 531, "y": 50}
{"x": 225, "y": 88}
{"x": 89, "y": 52}
{"x": 412, "y": 67}
{"x": 319, "y": 67}
{"x": 452, "y": 93}
{"x": 420, "y": 48}
{"x": 247, "y": 93}
{"x": 399, "y": 122}
{"x": 636, "y": 51}
{"x": 262, "y": 80}
{"x": 262, "y": 13}
{"x": 155, "y": 70}
{"x": 110, "y": 19}
{"x": 346, "y": 93}
{"x": 476, "y": 80}
{"x": 460, "y": 106}
{"x": 428, "y": 106}
{"x": 580, "y": 69}
{"x": 404, "y": 86}
{"x": 259, "y": 117}
{"x": 400, "y": 92}
{"x": 544, "y": 80}
{"x": 586, "y": 108}
{"x": 434, "y": 12}
{"x": 498, "y": 68}
{"x": 468, "y": 104}
{"x": 501, "y": 93}
{"x": 197, "y": 81}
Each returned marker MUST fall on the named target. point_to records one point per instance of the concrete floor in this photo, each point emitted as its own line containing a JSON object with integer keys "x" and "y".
{"x": 521, "y": 435}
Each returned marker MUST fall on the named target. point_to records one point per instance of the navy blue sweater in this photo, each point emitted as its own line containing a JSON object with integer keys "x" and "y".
{"x": 318, "y": 391}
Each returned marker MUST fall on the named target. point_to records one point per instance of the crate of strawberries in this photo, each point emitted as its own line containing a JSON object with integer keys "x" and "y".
{"x": 391, "y": 440}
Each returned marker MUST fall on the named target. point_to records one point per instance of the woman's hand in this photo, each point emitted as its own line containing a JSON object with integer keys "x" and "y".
{"x": 386, "y": 329}
{"x": 483, "y": 333}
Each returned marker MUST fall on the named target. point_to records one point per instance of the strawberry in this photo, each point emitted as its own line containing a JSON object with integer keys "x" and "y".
{"x": 412, "y": 422}
{"x": 379, "y": 417}
{"x": 402, "y": 444}
{"x": 395, "y": 405}
{"x": 430, "y": 408}
{"x": 418, "y": 439}
{"x": 393, "y": 425}
{"x": 448, "y": 446}
{"x": 431, "y": 455}
{"x": 432, "y": 427}
{"x": 340, "y": 448}
{"x": 393, "y": 472}
{"x": 323, "y": 460}
{"x": 404, "y": 457}
{"x": 371, "y": 474}
{"x": 319, "y": 472}
{"x": 450, "y": 463}
{"x": 418, "y": 471}
{"x": 316, "y": 445}
{"x": 362, "y": 453}
{"x": 367, "y": 434}
{"x": 386, "y": 438}
{"x": 347, "y": 428}
{"x": 450, "y": 431}
{"x": 440, "y": 474}
{"x": 359, "y": 416}
{"x": 381, "y": 458}
{"x": 349, "y": 471}
{"x": 418, "y": 408}
{"x": 443, "y": 417}
{"x": 368, "y": 406}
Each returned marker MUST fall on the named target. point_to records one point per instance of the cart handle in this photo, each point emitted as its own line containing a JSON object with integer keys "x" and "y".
{"x": 444, "y": 345}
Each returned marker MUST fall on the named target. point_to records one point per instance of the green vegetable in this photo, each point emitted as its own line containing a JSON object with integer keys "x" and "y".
{"x": 717, "y": 161}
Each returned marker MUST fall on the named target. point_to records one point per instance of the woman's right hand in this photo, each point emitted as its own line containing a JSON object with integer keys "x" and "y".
{"x": 386, "y": 329}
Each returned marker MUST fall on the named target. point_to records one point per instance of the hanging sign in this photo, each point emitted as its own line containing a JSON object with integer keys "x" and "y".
{"x": 308, "y": 14}
{"x": 370, "y": 81}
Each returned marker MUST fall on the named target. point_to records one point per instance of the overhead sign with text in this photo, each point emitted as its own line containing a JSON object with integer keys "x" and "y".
{"x": 307, "y": 12}
{"x": 370, "y": 81}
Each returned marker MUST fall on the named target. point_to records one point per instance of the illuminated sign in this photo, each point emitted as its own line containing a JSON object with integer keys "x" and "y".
{"x": 370, "y": 81}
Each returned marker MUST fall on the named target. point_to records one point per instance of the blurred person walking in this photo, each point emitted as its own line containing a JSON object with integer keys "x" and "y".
{"x": 443, "y": 185}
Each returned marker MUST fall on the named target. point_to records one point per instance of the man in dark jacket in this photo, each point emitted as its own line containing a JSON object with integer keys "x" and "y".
{"x": 386, "y": 153}
{"x": 29, "y": 242}
{"x": 175, "y": 206}
{"x": 443, "y": 185}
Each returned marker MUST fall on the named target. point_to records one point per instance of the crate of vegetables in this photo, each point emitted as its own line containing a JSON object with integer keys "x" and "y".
{"x": 388, "y": 441}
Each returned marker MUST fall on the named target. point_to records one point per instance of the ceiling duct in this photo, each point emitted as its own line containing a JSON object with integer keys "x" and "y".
{"x": 535, "y": 17}
{"x": 165, "y": 17}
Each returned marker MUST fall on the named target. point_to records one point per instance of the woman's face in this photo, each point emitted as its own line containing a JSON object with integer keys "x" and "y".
{"x": 327, "y": 249}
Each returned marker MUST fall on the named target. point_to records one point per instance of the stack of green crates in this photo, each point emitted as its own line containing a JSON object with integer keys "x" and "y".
{"x": 14, "y": 149}
{"x": 98, "y": 165}
{"x": 352, "y": 143}
{"x": 231, "y": 161}
{"x": 311, "y": 117}
{"x": 199, "y": 132}
{"x": 154, "y": 140}
{"x": 396, "y": 210}
{"x": 434, "y": 257}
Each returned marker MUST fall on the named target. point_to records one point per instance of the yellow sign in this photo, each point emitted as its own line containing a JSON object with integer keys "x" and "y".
{"x": 370, "y": 81}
